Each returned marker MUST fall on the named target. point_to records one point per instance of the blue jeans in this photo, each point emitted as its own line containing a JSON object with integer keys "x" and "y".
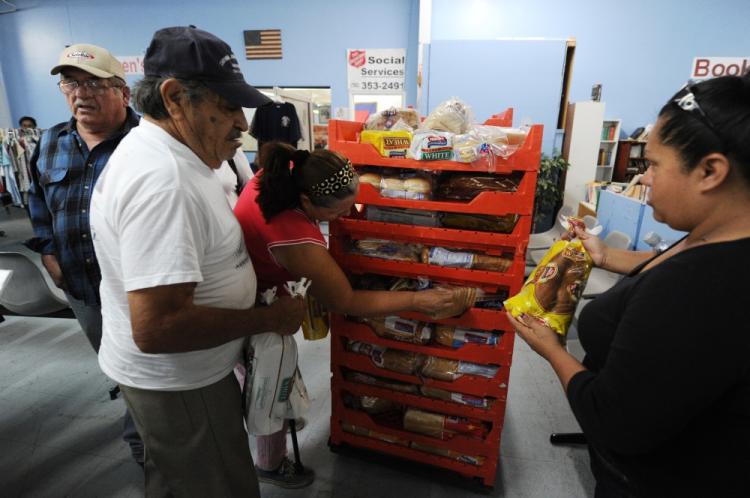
{"x": 90, "y": 319}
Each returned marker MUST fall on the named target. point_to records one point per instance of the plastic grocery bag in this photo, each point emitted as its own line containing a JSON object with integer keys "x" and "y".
{"x": 271, "y": 366}
{"x": 299, "y": 400}
{"x": 552, "y": 291}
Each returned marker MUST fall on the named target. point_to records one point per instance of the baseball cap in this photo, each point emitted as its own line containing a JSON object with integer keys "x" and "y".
{"x": 90, "y": 58}
{"x": 190, "y": 53}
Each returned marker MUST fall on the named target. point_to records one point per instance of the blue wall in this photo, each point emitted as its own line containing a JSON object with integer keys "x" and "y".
{"x": 315, "y": 37}
{"x": 641, "y": 51}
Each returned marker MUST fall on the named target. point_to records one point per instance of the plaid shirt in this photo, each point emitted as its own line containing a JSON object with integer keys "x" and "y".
{"x": 64, "y": 172}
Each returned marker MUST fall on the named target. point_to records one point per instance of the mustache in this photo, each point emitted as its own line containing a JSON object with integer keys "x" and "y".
{"x": 84, "y": 102}
{"x": 236, "y": 134}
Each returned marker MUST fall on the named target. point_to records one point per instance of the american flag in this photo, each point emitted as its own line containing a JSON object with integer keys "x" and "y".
{"x": 263, "y": 44}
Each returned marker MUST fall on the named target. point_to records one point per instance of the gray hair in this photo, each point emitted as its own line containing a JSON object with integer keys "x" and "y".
{"x": 146, "y": 95}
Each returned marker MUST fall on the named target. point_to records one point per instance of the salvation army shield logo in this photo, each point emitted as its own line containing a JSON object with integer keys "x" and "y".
{"x": 357, "y": 58}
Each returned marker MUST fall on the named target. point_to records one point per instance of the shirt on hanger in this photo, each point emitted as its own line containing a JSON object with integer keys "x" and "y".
{"x": 276, "y": 121}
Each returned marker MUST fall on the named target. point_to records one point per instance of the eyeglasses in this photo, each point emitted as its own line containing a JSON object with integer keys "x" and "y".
{"x": 95, "y": 86}
{"x": 685, "y": 100}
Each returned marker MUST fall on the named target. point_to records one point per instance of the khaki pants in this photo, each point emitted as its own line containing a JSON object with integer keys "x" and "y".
{"x": 196, "y": 444}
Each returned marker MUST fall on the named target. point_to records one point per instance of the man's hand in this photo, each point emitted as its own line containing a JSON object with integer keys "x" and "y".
{"x": 53, "y": 268}
{"x": 288, "y": 312}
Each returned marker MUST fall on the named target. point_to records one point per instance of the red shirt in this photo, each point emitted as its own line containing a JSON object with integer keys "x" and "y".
{"x": 290, "y": 227}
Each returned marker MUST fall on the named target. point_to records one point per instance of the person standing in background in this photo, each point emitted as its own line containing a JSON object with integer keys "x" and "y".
{"x": 64, "y": 169}
{"x": 27, "y": 122}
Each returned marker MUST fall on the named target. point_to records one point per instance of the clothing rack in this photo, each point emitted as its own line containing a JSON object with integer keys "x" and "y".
{"x": 16, "y": 148}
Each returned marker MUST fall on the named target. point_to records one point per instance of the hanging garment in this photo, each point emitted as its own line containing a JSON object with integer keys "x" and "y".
{"x": 276, "y": 121}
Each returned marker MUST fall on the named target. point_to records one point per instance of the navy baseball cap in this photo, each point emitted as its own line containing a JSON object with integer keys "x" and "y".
{"x": 190, "y": 53}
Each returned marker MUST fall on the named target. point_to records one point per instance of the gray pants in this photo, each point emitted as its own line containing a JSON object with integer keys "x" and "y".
{"x": 90, "y": 319}
{"x": 196, "y": 444}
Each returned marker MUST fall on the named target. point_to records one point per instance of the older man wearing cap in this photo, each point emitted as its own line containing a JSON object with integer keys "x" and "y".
{"x": 64, "y": 169}
{"x": 178, "y": 287}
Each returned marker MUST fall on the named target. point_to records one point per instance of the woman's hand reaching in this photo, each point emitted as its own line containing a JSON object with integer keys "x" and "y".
{"x": 433, "y": 300}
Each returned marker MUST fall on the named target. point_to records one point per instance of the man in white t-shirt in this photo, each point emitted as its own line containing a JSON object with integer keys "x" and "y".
{"x": 178, "y": 287}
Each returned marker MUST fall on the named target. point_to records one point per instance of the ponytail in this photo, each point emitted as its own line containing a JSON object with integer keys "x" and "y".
{"x": 278, "y": 191}
{"x": 288, "y": 173}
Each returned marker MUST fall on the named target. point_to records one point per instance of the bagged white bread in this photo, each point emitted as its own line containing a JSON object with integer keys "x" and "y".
{"x": 414, "y": 188}
{"x": 432, "y": 145}
{"x": 453, "y": 115}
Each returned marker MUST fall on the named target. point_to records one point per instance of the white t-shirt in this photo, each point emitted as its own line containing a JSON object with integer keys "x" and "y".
{"x": 229, "y": 179}
{"x": 159, "y": 216}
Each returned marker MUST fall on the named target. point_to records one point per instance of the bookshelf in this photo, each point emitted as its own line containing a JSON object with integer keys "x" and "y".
{"x": 605, "y": 160}
{"x": 629, "y": 160}
{"x": 583, "y": 131}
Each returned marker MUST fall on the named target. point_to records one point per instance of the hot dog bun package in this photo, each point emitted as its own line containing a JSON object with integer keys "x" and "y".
{"x": 552, "y": 291}
{"x": 414, "y": 186}
{"x": 388, "y": 143}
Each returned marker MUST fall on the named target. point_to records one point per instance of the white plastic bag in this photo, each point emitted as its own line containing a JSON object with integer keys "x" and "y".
{"x": 299, "y": 400}
{"x": 274, "y": 389}
{"x": 269, "y": 382}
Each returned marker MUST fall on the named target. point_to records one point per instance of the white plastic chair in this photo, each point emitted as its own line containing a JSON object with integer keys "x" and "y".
{"x": 601, "y": 280}
{"x": 590, "y": 221}
{"x": 27, "y": 291}
{"x": 545, "y": 240}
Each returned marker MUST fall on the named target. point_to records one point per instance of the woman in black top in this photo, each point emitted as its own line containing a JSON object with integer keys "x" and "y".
{"x": 663, "y": 395}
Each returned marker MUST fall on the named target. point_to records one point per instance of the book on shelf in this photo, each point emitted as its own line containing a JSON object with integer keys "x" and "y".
{"x": 594, "y": 189}
{"x": 608, "y": 131}
{"x": 636, "y": 190}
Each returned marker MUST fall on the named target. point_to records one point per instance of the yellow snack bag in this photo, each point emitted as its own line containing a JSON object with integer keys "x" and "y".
{"x": 388, "y": 143}
{"x": 552, "y": 291}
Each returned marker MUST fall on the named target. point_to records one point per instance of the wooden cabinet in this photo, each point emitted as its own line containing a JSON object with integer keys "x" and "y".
{"x": 629, "y": 160}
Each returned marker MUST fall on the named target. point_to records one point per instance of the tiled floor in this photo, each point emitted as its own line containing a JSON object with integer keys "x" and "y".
{"x": 60, "y": 433}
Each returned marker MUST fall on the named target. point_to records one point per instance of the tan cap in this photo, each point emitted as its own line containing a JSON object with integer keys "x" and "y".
{"x": 90, "y": 58}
